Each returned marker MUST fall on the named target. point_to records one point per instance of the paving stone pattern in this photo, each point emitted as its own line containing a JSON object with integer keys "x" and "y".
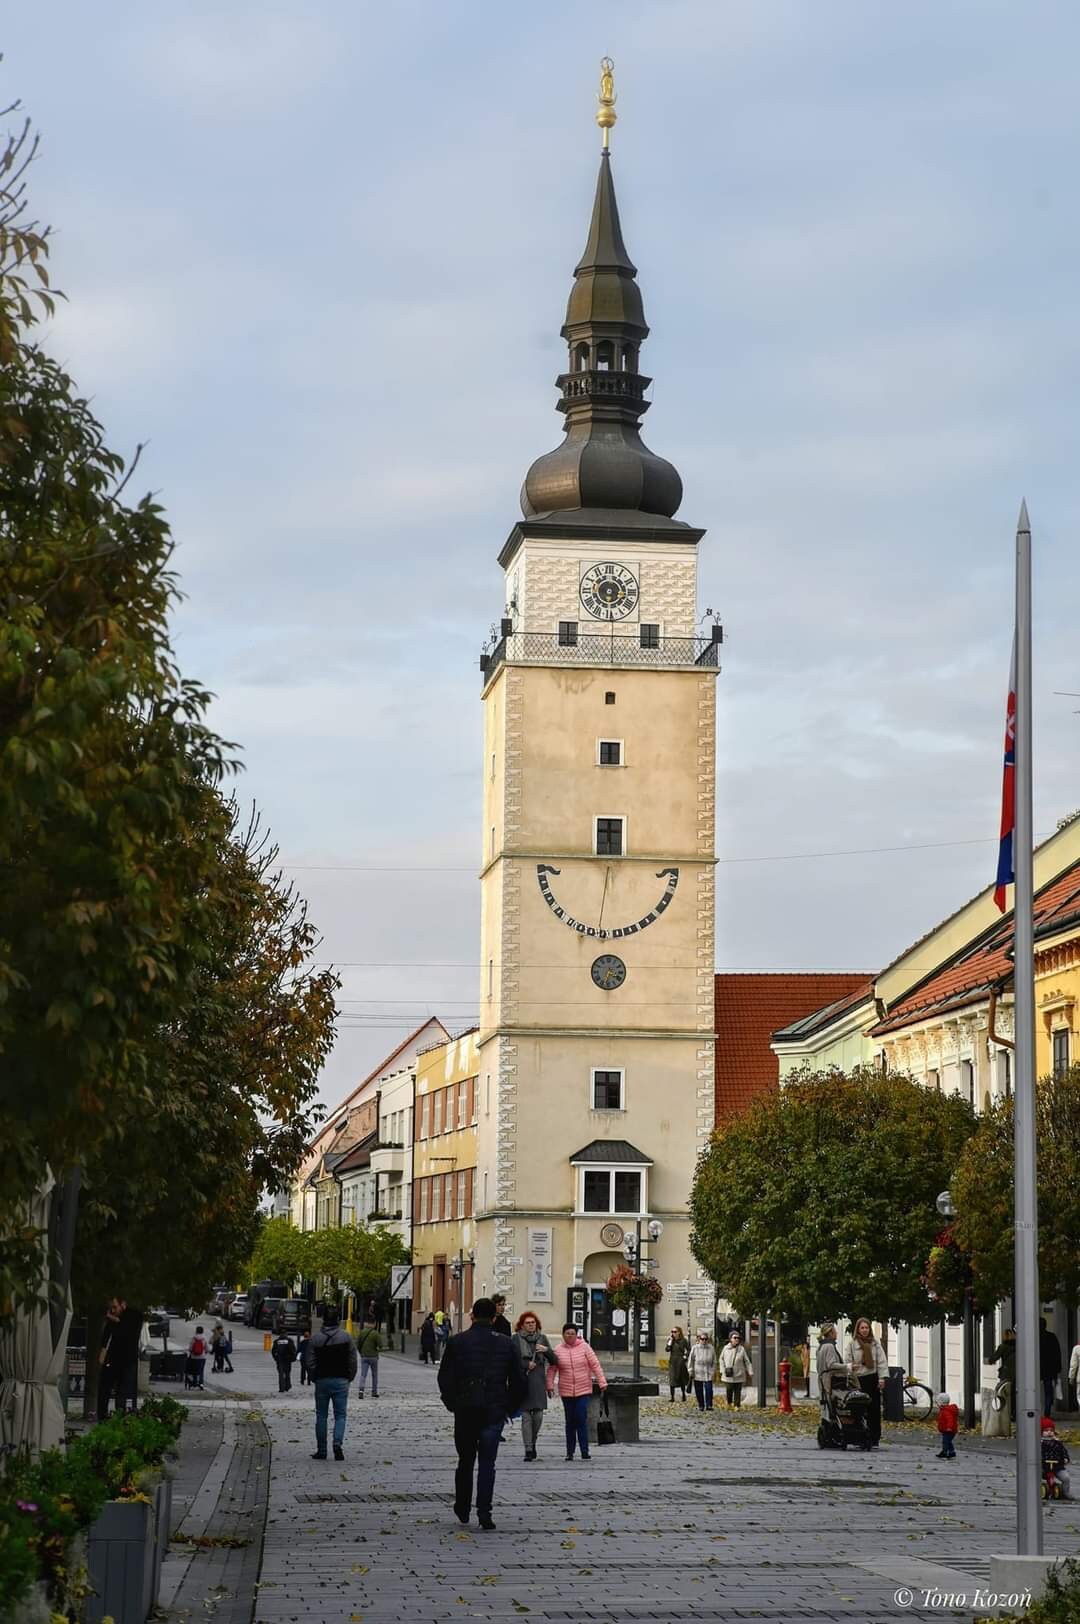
{"x": 704, "y": 1519}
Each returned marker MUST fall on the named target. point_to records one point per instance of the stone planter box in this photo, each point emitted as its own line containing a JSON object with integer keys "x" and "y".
{"x": 34, "y": 1608}
{"x": 623, "y": 1398}
{"x": 125, "y": 1550}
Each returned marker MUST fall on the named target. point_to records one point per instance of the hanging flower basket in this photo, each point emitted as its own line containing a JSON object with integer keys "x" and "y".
{"x": 629, "y": 1290}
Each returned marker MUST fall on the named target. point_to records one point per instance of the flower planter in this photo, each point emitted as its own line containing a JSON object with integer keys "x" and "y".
{"x": 124, "y": 1554}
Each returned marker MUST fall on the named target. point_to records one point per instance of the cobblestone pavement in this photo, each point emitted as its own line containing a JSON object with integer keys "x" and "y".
{"x": 705, "y": 1519}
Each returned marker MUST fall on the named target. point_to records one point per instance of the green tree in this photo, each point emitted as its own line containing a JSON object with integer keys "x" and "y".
{"x": 282, "y": 1252}
{"x": 172, "y": 1205}
{"x": 108, "y": 842}
{"x": 358, "y": 1258}
{"x": 982, "y": 1190}
{"x": 820, "y": 1199}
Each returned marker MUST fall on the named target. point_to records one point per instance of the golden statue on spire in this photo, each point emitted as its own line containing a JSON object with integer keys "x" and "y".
{"x": 605, "y": 112}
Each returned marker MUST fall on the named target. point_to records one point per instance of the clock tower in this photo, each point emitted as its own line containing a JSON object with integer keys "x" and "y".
{"x": 597, "y": 918}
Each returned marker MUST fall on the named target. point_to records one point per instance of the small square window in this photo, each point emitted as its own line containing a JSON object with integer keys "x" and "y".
{"x": 609, "y": 837}
{"x": 607, "y": 1090}
{"x": 609, "y": 699}
{"x": 650, "y": 636}
{"x": 611, "y": 752}
{"x": 568, "y": 633}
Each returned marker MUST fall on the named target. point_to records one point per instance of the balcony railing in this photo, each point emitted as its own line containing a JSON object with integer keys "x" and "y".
{"x": 602, "y": 649}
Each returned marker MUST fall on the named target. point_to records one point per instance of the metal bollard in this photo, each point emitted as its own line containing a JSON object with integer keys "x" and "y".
{"x": 785, "y": 1386}
{"x": 268, "y": 1342}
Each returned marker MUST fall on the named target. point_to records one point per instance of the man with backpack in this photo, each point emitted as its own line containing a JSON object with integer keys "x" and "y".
{"x": 196, "y": 1364}
{"x": 331, "y": 1363}
{"x": 481, "y": 1381}
{"x": 369, "y": 1348}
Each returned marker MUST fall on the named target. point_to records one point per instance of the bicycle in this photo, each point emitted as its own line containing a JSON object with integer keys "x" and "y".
{"x": 919, "y": 1401}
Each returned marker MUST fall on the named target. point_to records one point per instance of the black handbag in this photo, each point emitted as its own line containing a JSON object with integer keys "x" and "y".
{"x": 605, "y": 1426}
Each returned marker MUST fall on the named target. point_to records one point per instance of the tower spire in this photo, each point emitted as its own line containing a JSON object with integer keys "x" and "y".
{"x": 603, "y": 463}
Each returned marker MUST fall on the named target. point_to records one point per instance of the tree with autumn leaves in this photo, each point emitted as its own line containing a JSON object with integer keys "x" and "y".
{"x": 819, "y": 1201}
{"x": 161, "y": 1023}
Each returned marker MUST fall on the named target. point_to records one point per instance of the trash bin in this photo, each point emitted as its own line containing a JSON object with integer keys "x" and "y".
{"x": 892, "y": 1394}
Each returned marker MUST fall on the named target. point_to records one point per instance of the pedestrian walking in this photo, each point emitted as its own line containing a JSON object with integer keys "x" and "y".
{"x": 217, "y": 1347}
{"x": 1049, "y": 1364}
{"x": 576, "y": 1369}
{"x": 500, "y": 1323}
{"x": 302, "y": 1357}
{"x": 283, "y": 1352}
{"x": 119, "y": 1358}
{"x": 537, "y": 1359}
{"x": 226, "y": 1349}
{"x": 481, "y": 1382}
{"x": 369, "y": 1348}
{"x": 701, "y": 1366}
{"x": 735, "y": 1369}
{"x": 196, "y": 1359}
{"x": 677, "y": 1373}
{"x": 948, "y": 1425}
{"x": 1074, "y": 1374}
{"x": 429, "y": 1341}
{"x": 331, "y": 1362}
{"x": 865, "y": 1358}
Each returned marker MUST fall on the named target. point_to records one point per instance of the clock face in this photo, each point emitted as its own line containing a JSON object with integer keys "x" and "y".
{"x": 609, "y": 592}
{"x": 608, "y": 972}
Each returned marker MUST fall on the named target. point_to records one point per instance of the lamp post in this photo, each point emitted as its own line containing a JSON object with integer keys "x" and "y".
{"x": 947, "y": 1208}
{"x": 632, "y": 1253}
{"x": 457, "y": 1272}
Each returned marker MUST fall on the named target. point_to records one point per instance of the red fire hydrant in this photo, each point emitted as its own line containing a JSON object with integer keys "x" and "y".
{"x": 785, "y": 1386}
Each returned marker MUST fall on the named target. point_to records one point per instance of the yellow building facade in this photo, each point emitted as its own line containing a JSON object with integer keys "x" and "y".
{"x": 595, "y": 1049}
{"x": 444, "y": 1178}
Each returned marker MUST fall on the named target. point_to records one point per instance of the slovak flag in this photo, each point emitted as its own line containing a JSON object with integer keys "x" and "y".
{"x": 1006, "y": 870}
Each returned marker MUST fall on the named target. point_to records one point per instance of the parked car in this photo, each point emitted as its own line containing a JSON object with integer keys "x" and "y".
{"x": 266, "y": 1313}
{"x": 219, "y": 1303}
{"x": 237, "y": 1309}
{"x": 296, "y": 1314}
{"x": 157, "y": 1323}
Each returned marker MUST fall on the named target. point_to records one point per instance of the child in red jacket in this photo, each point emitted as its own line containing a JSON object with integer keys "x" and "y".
{"x": 948, "y": 1422}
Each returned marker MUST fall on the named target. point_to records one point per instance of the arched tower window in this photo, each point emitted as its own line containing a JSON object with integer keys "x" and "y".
{"x": 605, "y": 356}
{"x": 581, "y": 358}
{"x": 629, "y": 357}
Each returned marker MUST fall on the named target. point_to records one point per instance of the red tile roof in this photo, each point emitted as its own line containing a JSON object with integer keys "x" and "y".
{"x": 749, "y": 1009}
{"x": 969, "y": 977}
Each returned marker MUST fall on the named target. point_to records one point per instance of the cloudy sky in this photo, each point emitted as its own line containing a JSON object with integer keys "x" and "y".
{"x": 317, "y": 256}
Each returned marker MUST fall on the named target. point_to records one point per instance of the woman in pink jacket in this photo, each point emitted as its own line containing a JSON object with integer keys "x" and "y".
{"x": 576, "y": 1368}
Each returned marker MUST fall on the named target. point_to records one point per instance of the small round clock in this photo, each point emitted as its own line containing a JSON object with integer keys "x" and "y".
{"x": 608, "y": 972}
{"x": 609, "y": 591}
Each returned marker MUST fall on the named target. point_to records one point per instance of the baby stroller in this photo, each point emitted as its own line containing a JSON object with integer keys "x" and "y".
{"x": 843, "y": 1419}
{"x": 191, "y": 1372}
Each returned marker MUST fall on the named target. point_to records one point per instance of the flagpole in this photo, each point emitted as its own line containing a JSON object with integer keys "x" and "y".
{"x": 1028, "y": 1407}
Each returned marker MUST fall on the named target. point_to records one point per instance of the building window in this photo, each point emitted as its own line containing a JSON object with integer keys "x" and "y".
{"x": 448, "y": 1195}
{"x": 607, "y": 1090}
{"x": 568, "y": 633}
{"x": 611, "y": 1190}
{"x": 933, "y": 1080}
{"x": 1061, "y": 1051}
{"x": 1005, "y": 1059}
{"x": 474, "y": 1100}
{"x": 609, "y": 698}
{"x": 650, "y": 635}
{"x": 967, "y": 1081}
{"x": 487, "y": 1093}
{"x": 425, "y": 1115}
{"x": 425, "y": 1200}
{"x": 463, "y": 1104}
{"x": 609, "y": 837}
{"x": 610, "y": 753}
{"x": 461, "y": 1195}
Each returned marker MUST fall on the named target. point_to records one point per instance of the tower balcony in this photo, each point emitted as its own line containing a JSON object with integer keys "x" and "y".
{"x": 612, "y": 649}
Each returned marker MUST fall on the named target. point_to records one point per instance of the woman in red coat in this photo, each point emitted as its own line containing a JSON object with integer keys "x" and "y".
{"x": 576, "y": 1368}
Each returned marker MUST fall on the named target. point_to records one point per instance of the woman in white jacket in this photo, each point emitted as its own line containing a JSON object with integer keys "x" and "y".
{"x": 700, "y": 1364}
{"x": 735, "y": 1369}
{"x": 865, "y": 1358}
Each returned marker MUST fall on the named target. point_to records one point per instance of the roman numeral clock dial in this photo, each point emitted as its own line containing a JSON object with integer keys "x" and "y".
{"x": 609, "y": 591}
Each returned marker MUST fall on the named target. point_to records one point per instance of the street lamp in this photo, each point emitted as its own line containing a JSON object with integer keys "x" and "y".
{"x": 946, "y": 1207}
{"x": 632, "y": 1253}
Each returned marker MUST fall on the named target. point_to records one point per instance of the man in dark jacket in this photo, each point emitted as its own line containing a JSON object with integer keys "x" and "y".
{"x": 482, "y": 1382}
{"x": 500, "y": 1323}
{"x": 1049, "y": 1364}
{"x": 331, "y": 1363}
